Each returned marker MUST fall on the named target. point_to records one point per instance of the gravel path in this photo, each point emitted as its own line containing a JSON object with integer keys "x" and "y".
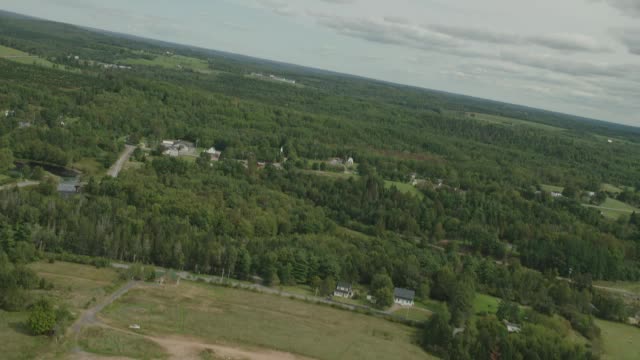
{"x": 124, "y": 157}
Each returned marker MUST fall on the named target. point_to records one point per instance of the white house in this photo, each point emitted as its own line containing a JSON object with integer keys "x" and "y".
{"x": 349, "y": 161}
{"x": 343, "y": 289}
{"x": 512, "y": 328}
{"x": 168, "y": 143}
{"x": 211, "y": 151}
{"x": 404, "y": 297}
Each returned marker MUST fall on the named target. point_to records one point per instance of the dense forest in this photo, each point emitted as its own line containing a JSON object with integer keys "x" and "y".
{"x": 477, "y": 219}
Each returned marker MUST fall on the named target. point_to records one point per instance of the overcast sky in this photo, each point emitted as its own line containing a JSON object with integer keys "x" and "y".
{"x": 575, "y": 56}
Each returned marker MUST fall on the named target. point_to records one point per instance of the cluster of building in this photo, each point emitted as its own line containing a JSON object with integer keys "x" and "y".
{"x": 115, "y": 66}
{"x": 175, "y": 148}
{"x": 274, "y": 78}
{"x": 401, "y": 296}
{"x": 8, "y": 113}
{"x": 341, "y": 162}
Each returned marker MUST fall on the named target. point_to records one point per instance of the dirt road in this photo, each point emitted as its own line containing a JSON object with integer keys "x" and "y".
{"x": 19, "y": 185}
{"x": 124, "y": 157}
{"x": 89, "y": 316}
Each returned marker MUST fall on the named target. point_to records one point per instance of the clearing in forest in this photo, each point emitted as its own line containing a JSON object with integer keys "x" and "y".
{"x": 620, "y": 341}
{"x": 240, "y": 318}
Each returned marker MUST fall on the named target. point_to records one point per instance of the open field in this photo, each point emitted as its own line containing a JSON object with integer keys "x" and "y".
{"x": 77, "y": 285}
{"x": 227, "y": 316}
{"x": 630, "y": 286}
{"x": 173, "y": 62}
{"x": 403, "y": 187}
{"x": 485, "y": 303}
{"x": 611, "y": 188}
{"x": 613, "y": 208}
{"x": 74, "y": 285}
{"x": 22, "y": 57}
{"x": 88, "y": 166}
{"x": 16, "y": 342}
{"x": 620, "y": 342}
{"x": 496, "y": 119}
{"x": 550, "y": 188}
{"x": 108, "y": 342}
{"x": 414, "y": 313}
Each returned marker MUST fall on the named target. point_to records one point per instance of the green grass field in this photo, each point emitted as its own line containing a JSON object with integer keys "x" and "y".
{"x": 414, "y": 313}
{"x": 89, "y": 166}
{"x": 403, "y": 187}
{"x": 550, "y": 188}
{"x": 485, "y": 304}
{"x": 78, "y": 286}
{"x": 109, "y": 342}
{"x": 74, "y": 285}
{"x": 174, "y": 62}
{"x": 23, "y": 57}
{"x": 613, "y": 208}
{"x": 16, "y": 342}
{"x": 496, "y": 119}
{"x": 248, "y": 319}
{"x": 611, "y": 188}
{"x": 620, "y": 342}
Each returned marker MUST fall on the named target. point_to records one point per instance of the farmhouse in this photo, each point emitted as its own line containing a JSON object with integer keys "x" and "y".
{"x": 343, "y": 289}
{"x": 176, "y": 148}
{"x": 403, "y": 297}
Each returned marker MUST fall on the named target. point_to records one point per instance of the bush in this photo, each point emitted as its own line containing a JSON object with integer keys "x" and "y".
{"x": 42, "y": 318}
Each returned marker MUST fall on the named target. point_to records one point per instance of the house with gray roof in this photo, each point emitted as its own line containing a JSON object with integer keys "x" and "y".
{"x": 404, "y": 297}
{"x": 343, "y": 289}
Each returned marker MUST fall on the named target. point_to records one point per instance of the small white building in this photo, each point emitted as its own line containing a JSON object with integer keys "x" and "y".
{"x": 404, "y": 297}
{"x": 512, "y": 328}
{"x": 556, "y": 194}
{"x": 349, "y": 161}
{"x": 343, "y": 289}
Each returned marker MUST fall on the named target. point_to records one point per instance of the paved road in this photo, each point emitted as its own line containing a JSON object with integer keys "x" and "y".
{"x": 19, "y": 185}
{"x": 124, "y": 157}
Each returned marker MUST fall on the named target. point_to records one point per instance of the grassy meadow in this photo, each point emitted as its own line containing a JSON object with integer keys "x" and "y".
{"x": 243, "y": 318}
{"x": 108, "y": 342}
{"x": 24, "y": 58}
{"x": 76, "y": 286}
{"x": 620, "y": 342}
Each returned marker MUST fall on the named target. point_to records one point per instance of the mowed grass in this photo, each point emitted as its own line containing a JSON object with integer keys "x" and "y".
{"x": 485, "y": 304}
{"x": 24, "y": 58}
{"x": 496, "y": 119}
{"x": 611, "y": 188}
{"x": 619, "y": 341}
{"x": 78, "y": 286}
{"x": 244, "y": 318}
{"x": 414, "y": 313}
{"x": 173, "y": 62}
{"x": 551, "y": 188}
{"x": 403, "y": 187}
{"x": 613, "y": 209}
{"x": 103, "y": 341}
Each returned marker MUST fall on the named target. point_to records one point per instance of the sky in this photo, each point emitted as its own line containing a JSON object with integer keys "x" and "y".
{"x": 575, "y": 56}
